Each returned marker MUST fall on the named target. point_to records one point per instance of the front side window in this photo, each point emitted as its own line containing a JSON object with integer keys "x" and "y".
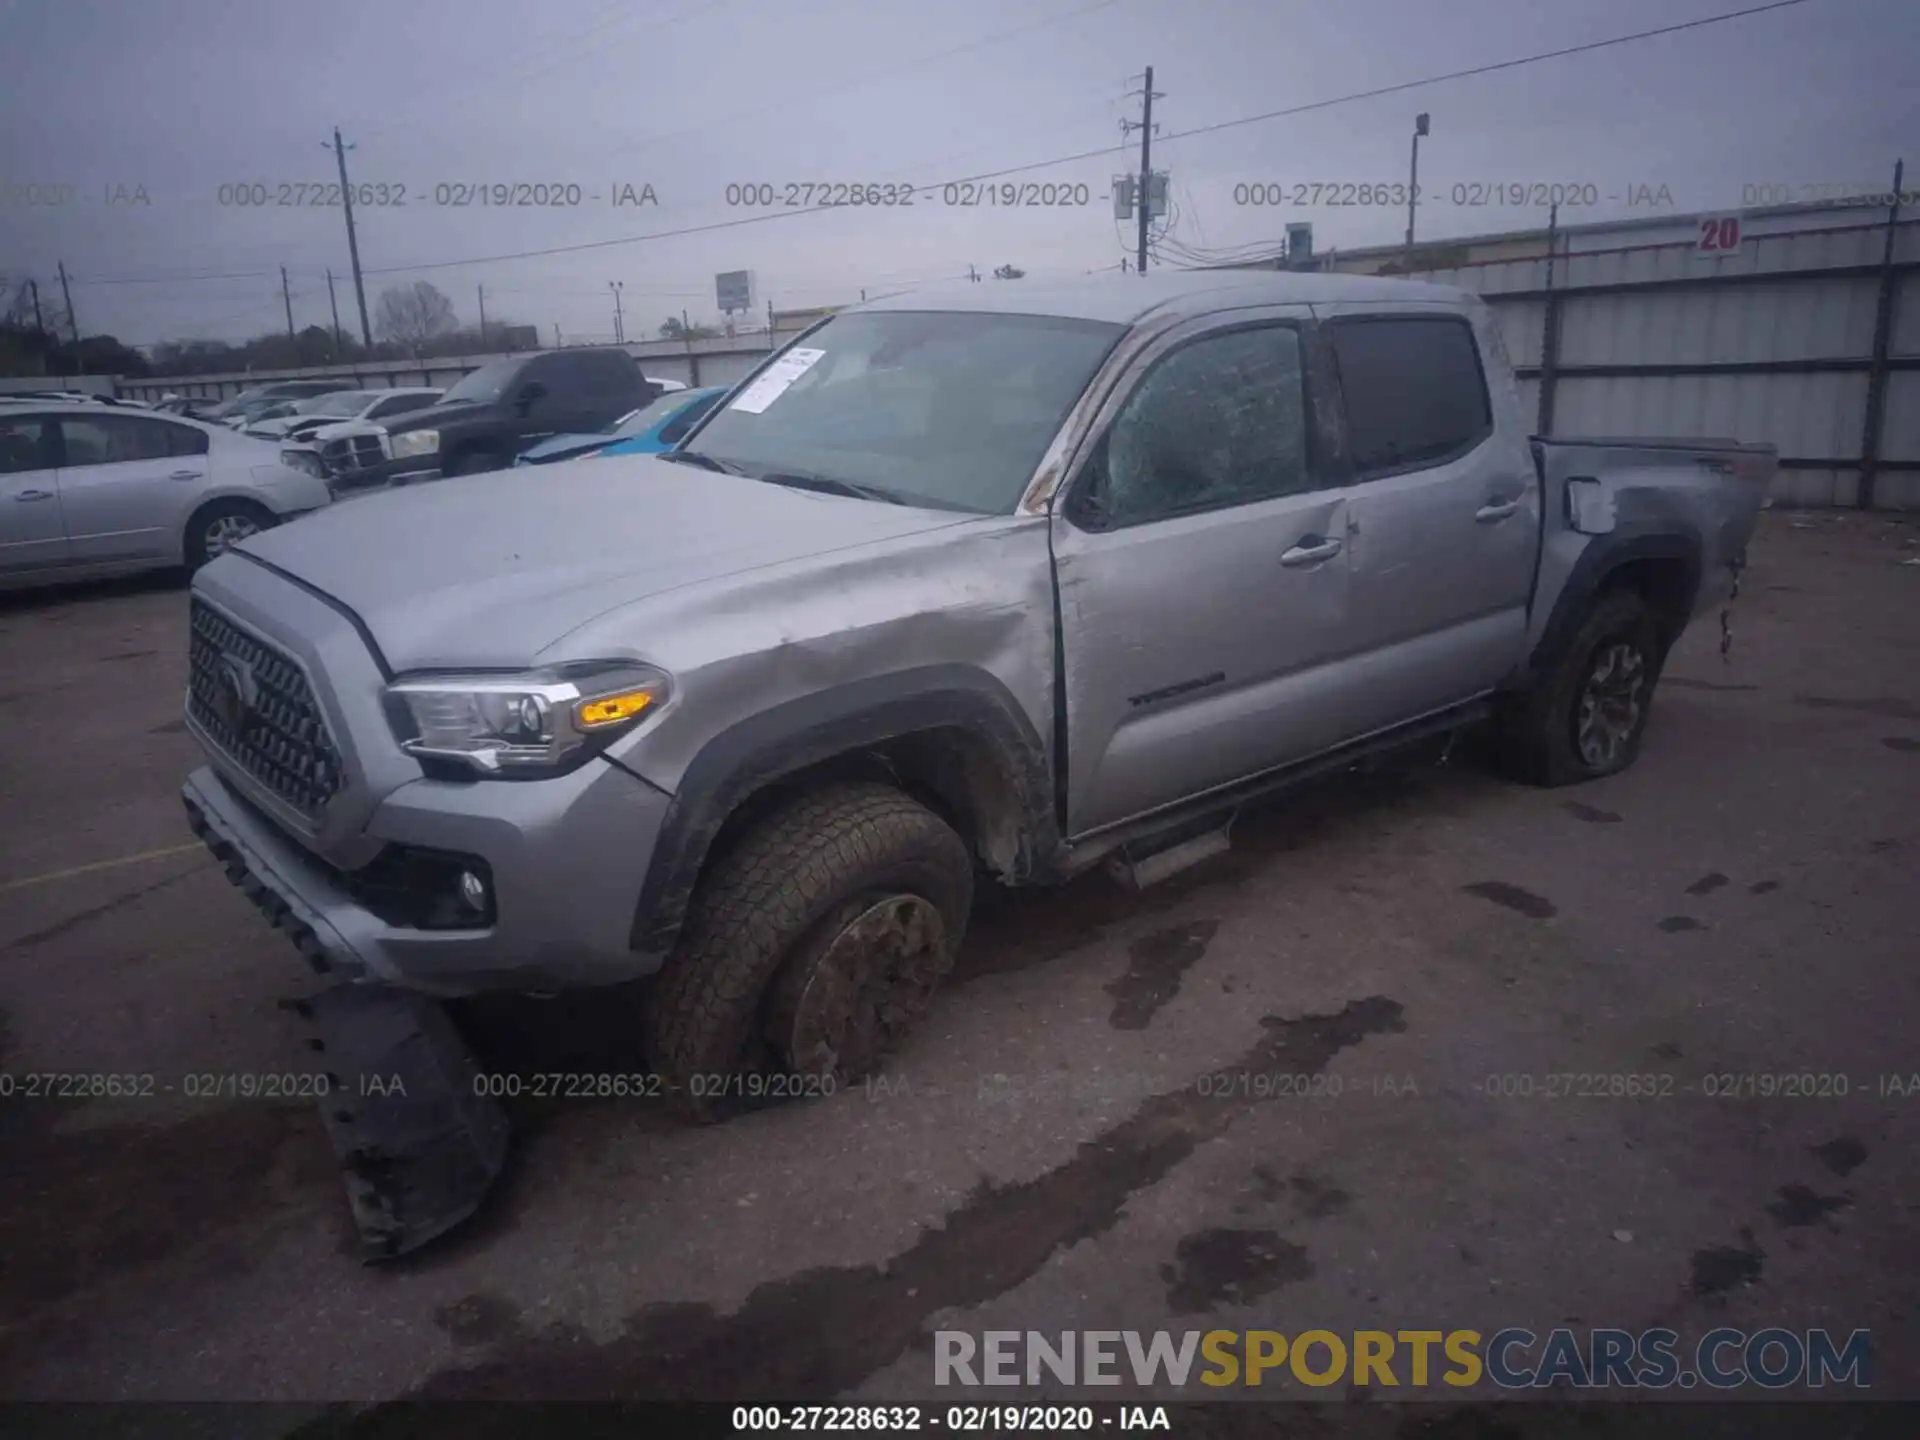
{"x": 1412, "y": 390}
{"x": 486, "y": 384}
{"x": 1221, "y": 421}
{"x": 25, "y": 444}
{"x": 949, "y": 409}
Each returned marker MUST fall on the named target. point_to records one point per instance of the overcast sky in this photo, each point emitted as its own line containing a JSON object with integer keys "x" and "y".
{"x": 147, "y": 108}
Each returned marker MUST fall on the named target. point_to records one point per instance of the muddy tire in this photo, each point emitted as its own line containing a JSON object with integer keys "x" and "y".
{"x": 809, "y": 951}
{"x": 220, "y": 523}
{"x": 1586, "y": 715}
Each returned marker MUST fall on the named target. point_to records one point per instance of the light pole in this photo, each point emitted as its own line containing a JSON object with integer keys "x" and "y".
{"x": 619, "y": 321}
{"x": 1413, "y": 184}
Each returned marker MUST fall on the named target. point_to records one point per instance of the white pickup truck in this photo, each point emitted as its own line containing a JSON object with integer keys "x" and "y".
{"x": 1002, "y": 581}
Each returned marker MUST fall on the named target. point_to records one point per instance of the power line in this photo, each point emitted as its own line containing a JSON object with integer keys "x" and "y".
{"x": 610, "y": 17}
{"x": 842, "y": 86}
{"x": 1104, "y": 150}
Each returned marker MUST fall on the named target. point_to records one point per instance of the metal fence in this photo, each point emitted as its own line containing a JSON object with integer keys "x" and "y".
{"x": 719, "y": 361}
{"x": 1807, "y": 338}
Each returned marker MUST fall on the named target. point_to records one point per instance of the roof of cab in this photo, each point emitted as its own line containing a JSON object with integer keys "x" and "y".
{"x": 1126, "y": 299}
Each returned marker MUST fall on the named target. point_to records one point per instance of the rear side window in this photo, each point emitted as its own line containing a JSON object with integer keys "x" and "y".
{"x": 111, "y": 439}
{"x": 1412, "y": 389}
{"x": 610, "y": 375}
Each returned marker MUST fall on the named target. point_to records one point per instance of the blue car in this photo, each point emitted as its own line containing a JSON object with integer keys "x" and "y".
{"x": 646, "y": 431}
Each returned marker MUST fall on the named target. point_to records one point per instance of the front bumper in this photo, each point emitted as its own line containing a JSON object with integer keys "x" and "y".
{"x": 347, "y": 473}
{"x": 566, "y": 856}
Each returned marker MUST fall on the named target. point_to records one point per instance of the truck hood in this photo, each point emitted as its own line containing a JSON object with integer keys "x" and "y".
{"x": 434, "y": 416}
{"x": 490, "y": 570}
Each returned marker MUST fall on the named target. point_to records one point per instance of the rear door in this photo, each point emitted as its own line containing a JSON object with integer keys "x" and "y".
{"x": 1444, "y": 523}
{"x": 1201, "y": 569}
{"x": 127, "y": 483}
{"x": 32, "y": 535}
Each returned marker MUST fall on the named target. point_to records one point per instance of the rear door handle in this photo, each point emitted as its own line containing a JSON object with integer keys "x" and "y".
{"x": 185, "y": 475}
{"x": 1310, "y": 551}
{"x": 34, "y": 495}
{"x": 1495, "y": 510}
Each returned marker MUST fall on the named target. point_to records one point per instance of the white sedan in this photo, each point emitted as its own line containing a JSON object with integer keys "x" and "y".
{"x": 87, "y": 491}
{"x": 308, "y": 416}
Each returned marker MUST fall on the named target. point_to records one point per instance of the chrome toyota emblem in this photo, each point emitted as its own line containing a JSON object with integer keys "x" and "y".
{"x": 236, "y": 694}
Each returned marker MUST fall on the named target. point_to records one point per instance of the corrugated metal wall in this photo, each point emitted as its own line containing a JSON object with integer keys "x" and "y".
{"x": 1654, "y": 338}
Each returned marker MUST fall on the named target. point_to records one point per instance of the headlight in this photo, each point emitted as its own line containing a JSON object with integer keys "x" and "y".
{"x": 416, "y": 442}
{"x": 539, "y": 723}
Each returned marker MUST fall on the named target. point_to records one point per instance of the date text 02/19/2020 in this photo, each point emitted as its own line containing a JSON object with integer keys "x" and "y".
{"x": 1473, "y": 194}
{"x": 953, "y": 1419}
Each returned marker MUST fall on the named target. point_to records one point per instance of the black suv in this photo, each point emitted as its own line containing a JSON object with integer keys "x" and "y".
{"x": 493, "y": 414}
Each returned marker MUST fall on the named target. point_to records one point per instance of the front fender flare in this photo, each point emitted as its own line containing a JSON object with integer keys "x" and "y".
{"x": 792, "y": 736}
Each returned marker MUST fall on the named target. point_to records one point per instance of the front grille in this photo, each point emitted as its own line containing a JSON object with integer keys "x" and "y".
{"x": 357, "y": 452}
{"x": 255, "y": 704}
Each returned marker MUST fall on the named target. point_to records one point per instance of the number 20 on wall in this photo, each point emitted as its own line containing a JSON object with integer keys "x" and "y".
{"x": 1718, "y": 235}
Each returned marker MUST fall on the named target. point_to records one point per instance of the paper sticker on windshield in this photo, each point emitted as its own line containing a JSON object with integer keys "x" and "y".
{"x": 773, "y": 382}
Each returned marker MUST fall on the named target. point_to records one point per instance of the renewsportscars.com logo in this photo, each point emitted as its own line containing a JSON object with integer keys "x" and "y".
{"x": 1513, "y": 1359}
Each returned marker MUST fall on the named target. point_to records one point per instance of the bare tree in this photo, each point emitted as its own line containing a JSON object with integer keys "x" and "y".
{"x": 412, "y": 315}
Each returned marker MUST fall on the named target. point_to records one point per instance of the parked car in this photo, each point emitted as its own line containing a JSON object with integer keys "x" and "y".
{"x": 192, "y": 407}
{"x": 88, "y": 491}
{"x": 493, "y": 414}
{"x": 249, "y": 403}
{"x": 947, "y": 588}
{"x": 310, "y": 415}
{"x": 646, "y": 431}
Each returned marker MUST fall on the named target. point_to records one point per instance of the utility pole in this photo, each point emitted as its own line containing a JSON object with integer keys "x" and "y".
{"x": 1413, "y": 185}
{"x": 287, "y": 296}
{"x": 481, "y": 290}
{"x": 33, "y": 288}
{"x": 1145, "y": 127}
{"x": 340, "y": 149}
{"x": 619, "y": 317}
{"x": 333, "y": 304}
{"x": 66, "y": 293}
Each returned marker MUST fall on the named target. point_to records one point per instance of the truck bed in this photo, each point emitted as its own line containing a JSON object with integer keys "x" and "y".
{"x": 1612, "y": 491}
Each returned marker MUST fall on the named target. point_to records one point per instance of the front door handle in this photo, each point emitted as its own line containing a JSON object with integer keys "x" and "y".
{"x": 34, "y": 495}
{"x": 1494, "y": 510}
{"x": 185, "y": 475}
{"x": 1310, "y": 551}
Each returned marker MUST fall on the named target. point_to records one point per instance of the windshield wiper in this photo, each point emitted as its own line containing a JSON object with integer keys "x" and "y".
{"x": 831, "y": 485}
{"x": 704, "y": 461}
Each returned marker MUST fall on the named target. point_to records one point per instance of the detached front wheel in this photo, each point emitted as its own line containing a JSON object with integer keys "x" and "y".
{"x": 810, "y": 951}
{"x": 1586, "y": 716}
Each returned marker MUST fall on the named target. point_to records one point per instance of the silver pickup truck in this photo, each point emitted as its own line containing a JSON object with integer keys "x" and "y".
{"x": 999, "y": 582}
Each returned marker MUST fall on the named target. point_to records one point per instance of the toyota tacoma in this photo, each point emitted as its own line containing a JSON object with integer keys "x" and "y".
{"x": 990, "y": 583}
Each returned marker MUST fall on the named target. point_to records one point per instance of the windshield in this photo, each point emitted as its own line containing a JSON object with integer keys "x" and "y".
{"x": 340, "y": 402}
{"x": 951, "y": 409}
{"x": 486, "y": 384}
{"x": 636, "y": 422}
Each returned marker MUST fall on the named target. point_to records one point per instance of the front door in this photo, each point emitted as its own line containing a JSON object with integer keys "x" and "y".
{"x": 32, "y": 536}
{"x": 1201, "y": 564}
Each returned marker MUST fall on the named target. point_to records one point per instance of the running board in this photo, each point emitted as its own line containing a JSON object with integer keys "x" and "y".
{"x": 419, "y": 1147}
{"x": 1137, "y": 867}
